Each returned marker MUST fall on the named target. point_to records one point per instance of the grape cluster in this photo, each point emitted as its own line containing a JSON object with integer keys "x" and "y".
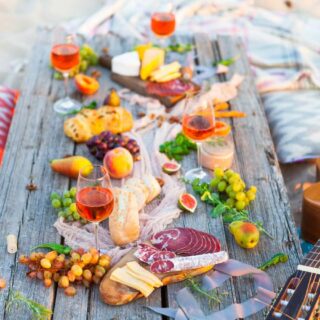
{"x": 81, "y": 267}
{"x": 99, "y": 145}
{"x": 229, "y": 184}
{"x": 66, "y": 206}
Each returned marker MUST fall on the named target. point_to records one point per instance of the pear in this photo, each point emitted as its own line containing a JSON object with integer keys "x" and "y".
{"x": 245, "y": 233}
{"x": 112, "y": 99}
{"x": 71, "y": 166}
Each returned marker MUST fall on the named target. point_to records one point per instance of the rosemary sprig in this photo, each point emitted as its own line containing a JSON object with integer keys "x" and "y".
{"x": 39, "y": 312}
{"x": 211, "y": 295}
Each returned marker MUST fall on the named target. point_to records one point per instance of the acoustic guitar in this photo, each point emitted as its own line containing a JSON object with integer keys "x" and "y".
{"x": 299, "y": 298}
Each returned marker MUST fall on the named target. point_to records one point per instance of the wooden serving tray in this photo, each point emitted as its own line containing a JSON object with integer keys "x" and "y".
{"x": 137, "y": 85}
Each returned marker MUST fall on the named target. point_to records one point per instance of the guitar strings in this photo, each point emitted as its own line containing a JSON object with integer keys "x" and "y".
{"x": 300, "y": 273}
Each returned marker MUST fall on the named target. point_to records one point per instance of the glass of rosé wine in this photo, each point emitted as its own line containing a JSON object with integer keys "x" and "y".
{"x": 198, "y": 124}
{"x": 94, "y": 199}
{"x": 64, "y": 57}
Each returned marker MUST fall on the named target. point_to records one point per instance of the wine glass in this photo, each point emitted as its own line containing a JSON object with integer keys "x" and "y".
{"x": 198, "y": 124}
{"x": 94, "y": 199}
{"x": 64, "y": 57}
{"x": 163, "y": 23}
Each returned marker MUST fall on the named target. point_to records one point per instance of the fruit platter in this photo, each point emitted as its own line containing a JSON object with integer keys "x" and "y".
{"x": 112, "y": 214}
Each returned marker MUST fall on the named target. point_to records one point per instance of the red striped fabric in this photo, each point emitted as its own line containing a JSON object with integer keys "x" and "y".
{"x": 8, "y": 99}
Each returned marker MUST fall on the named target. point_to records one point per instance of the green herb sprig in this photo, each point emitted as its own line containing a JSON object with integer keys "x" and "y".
{"x": 180, "y": 48}
{"x": 211, "y": 295}
{"x": 39, "y": 312}
{"x": 220, "y": 208}
{"x": 226, "y": 62}
{"x": 178, "y": 148}
{"x": 55, "y": 246}
{"x": 92, "y": 105}
{"x": 276, "y": 259}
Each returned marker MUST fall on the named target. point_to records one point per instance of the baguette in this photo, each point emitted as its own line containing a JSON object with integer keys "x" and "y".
{"x": 115, "y": 293}
{"x": 124, "y": 224}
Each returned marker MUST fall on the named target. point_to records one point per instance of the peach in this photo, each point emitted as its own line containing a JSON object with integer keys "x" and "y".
{"x": 118, "y": 162}
{"x": 85, "y": 84}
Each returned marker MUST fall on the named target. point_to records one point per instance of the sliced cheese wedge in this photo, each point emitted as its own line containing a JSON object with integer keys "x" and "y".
{"x": 153, "y": 58}
{"x": 142, "y": 274}
{"x": 126, "y": 64}
{"x": 165, "y": 70}
{"x": 122, "y": 276}
{"x": 171, "y": 76}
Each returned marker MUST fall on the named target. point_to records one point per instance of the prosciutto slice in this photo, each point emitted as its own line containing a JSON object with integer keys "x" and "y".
{"x": 186, "y": 241}
{"x": 149, "y": 254}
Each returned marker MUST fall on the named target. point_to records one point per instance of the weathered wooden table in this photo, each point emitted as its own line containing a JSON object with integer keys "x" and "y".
{"x": 37, "y": 136}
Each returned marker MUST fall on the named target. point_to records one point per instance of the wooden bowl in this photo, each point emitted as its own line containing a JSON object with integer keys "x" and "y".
{"x": 310, "y": 224}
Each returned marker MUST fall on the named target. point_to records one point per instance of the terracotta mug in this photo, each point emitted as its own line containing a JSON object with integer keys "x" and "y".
{"x": 310, "y": 224}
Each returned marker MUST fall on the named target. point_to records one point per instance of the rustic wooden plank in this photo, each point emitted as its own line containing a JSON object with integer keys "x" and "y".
{"x": 257, "y": 162}
{"x": 96, "y": 308}
{"x": 31, "y": 144}
{"x": 200, "y": 220}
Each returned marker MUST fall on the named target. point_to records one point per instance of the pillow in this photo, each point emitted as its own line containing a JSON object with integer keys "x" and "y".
{"x": 294, "y": 120}
{"x": 8, "y": 99}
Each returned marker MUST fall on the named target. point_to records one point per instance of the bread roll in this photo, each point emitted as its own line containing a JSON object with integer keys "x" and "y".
{"x": 153, "y": 186}
{"x": 124, "y": 221}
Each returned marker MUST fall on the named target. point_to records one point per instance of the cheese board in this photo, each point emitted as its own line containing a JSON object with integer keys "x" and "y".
{"x": 136, "y": 84}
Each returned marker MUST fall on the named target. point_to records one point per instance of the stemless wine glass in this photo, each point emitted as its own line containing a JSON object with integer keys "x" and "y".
{"x": 198, "y": 124}
{"x": 64, "y": 57}
{"x": 94, "y": 197}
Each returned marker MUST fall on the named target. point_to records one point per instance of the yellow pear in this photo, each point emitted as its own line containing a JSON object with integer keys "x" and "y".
{"x": 245, "y": 233}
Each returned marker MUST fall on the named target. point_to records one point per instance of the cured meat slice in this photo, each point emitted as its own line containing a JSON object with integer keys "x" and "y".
{"x": 162, "y": 266}
{"x": 188, "y": 263}
{"x": 149, "y": 254}
{"x": 171, "y": 88}
{"x": 185, "y": 241}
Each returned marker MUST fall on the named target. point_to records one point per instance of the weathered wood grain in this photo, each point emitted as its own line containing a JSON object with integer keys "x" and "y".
{"x": 36, "y": 137}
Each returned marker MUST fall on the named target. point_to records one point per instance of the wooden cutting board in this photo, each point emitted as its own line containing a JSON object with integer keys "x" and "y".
{"x": 137, "y": 85}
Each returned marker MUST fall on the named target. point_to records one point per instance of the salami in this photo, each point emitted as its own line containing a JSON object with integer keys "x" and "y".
{"x": 188, "y": 263}
{"x": 186, "y": 241}
{"x": 162, "y": 266}
{"x": 149, "y": 254}
{"x": 173, "y": 88}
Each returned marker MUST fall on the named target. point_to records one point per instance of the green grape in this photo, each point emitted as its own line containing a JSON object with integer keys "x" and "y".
{"x": 73, "y": 207}
{"x": 66, "y": 194}
{"x": 240, "y": 196}
{"x": 232, "y": 180}
{"x": 56, "y": 203}
{"x": 76, "y": 216}
{"x": 214, "y": 182}
{"x": 70, "y": 218}
{"x": 229, "y": 173}
{"x": 253, "y": 189}
{"x": 251, "y": 195}
{"x": 222, "y": 186}
{"x": 67, "y": 202}
{"x": 83, "y": 65}
{"x": 54, "y": 195}
{"x": 218, "y": 172}
{"x": 67, "y": 212}
{"x": 232, "y": 195}
{"x": 73, "y": 191}
{"x": 237, "y": 176}
{"x": 246, "y": 201}
{"x": 236, "y": 187}
{"x": 229, "y": 189}
{"x": 230, "y": 202}
{"x": 240, "y": 205}
{"x": 61, "y": 214}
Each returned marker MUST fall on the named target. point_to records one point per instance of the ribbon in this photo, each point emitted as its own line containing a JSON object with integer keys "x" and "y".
{"x": 189, "y": 308}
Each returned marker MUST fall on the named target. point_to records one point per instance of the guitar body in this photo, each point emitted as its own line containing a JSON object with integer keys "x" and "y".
{"x": 299, "y": 298}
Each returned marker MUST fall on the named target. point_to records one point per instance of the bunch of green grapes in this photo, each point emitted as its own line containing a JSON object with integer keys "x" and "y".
{"x": 88, "y": 58}
{"x": 66, "y": 205}
{"x": 230, "y": 185}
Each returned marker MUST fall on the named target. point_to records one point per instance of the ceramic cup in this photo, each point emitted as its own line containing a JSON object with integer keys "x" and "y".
{"x": 310, "y": 224}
